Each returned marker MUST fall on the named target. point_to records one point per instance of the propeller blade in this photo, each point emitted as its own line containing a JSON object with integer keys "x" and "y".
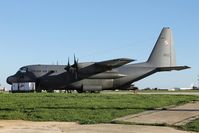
{"x": 76, "y": 67}
{"x": 67, "y": 68}
{"x": 75, "y": 61}
{"x": 68, "y": 62}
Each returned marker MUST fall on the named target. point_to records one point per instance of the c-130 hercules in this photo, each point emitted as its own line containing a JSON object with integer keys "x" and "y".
{"x": 104, "y": 75}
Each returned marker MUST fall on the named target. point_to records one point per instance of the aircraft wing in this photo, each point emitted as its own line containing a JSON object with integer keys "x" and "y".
{"x": 110, "y": 64}
{"x": 103, "y": 66}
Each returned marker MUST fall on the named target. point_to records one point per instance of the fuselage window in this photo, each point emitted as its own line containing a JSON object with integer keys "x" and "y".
{"x": 23, "y": 70}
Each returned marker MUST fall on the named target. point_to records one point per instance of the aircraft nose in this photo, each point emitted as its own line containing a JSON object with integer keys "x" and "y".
{"x": 11, "y": 80}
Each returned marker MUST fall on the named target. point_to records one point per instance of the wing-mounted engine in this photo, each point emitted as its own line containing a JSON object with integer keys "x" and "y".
{"x": 107, "y": 75}
{"x": 73, "y": 69}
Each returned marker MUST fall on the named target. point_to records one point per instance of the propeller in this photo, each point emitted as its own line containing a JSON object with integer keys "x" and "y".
{"x": 74, "y": 69}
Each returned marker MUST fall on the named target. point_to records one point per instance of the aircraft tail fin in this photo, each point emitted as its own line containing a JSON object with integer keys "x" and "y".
{"x": 163, "y": 54}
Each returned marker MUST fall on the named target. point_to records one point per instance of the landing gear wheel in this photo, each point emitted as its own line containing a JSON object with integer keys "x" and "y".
{"x": 80, "y": 91}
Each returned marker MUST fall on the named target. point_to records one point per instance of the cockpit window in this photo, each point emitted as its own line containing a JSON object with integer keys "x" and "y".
{"x": 23, "y": 69}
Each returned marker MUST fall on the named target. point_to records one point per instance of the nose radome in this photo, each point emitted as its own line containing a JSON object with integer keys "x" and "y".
{"x": 11, "y": 80}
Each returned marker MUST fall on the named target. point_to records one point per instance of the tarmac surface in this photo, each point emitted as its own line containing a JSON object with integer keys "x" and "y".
{"x": 69, "y": 127}
{"x": 176, "y": 116}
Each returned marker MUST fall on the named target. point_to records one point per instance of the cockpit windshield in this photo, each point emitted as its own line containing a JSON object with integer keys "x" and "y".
{"x": 23, "y": 69}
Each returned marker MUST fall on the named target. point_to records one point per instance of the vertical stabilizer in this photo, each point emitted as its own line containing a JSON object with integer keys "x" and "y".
{"x": 163, "y": 54}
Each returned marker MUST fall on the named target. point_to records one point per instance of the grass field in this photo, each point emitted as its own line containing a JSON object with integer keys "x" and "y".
{"x": 193, "y": 126}
{"x": 82, "y": 108}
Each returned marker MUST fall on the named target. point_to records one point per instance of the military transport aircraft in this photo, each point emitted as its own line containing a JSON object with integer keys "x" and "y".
{"x": 104, "y": 75}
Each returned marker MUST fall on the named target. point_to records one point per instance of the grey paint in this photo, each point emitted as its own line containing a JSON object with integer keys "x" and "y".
{"x": 96, "y": 76}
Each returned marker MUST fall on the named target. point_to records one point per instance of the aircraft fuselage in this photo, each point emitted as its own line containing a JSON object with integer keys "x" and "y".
{"x": 104, "y": 75}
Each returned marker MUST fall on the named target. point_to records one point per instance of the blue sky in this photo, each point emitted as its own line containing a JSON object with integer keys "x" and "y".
{"x": 44, "y": 31}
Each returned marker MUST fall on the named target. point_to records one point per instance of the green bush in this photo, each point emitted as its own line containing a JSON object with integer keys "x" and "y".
{"x": 192, "y": 126}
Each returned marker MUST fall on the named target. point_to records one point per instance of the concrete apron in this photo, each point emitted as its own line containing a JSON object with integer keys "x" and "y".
{"x": 176, "y": 116}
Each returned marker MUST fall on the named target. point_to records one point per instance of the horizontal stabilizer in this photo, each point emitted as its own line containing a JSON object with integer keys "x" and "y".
{"x": 177, "y": 68}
